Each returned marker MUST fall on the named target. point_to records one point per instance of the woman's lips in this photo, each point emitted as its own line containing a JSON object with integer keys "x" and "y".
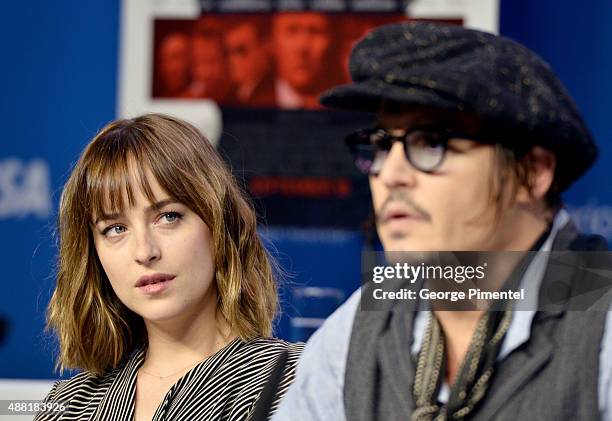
{"x": 155, "y": 288}
{"x": 154, "y": 283}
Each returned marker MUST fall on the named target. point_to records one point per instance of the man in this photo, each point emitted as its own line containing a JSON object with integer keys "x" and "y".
{"x": 302, "y": 43}
{"x": 476, "y": 139}
{"x": 208, "y": 64}
{"x": 249, "y": 58}
{"x": 173, "y": 65}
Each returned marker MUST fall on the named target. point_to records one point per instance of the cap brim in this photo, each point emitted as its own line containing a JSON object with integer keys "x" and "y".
{"x": 368, "y": 95}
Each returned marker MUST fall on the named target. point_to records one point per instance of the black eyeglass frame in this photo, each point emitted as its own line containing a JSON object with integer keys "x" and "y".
{"x": 364, "y": 137}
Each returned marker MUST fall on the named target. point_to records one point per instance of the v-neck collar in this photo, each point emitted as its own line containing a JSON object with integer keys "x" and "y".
{"x": 119, "y": 399}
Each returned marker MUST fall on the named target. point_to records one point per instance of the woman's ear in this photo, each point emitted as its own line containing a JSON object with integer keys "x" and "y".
{"x": 542, "y": 165}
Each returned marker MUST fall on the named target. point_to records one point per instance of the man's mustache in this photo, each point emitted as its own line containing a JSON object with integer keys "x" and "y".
{"x": 402, "y": 197}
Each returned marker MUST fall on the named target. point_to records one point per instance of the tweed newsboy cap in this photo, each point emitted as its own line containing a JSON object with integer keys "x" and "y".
{"x": 512, "y": 90}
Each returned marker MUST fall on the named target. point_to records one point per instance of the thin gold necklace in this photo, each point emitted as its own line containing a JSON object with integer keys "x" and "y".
{"x": 172, "y": 374}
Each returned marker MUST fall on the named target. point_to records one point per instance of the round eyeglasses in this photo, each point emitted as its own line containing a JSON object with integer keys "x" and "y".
{"x": 424, "y": 147}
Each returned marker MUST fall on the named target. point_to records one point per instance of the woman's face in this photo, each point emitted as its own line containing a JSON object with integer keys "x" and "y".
{"x": 158, "y": 257}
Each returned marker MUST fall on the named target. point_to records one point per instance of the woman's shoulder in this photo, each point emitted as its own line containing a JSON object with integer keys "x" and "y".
{"x": 82, "y": 385}
{"x": 257, "y": 356}
{"x": 64, "y": 390}
{"x": 84, "y": 391}
{"x": 274, "y": 345}
{"x": 83, "y": 388}
{"x": 260, "y": 355}
{"x": 87, "y": 383}
{"x": 266, "y": 353}
{"x": 248, "y": 368}
{"x": 268, "y": 350}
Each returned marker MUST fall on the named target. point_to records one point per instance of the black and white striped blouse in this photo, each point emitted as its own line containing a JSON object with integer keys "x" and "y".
{"x": 225, "y": 386}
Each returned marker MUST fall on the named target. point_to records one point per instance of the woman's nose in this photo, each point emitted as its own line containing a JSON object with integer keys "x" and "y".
{"x": 147, "y": 249}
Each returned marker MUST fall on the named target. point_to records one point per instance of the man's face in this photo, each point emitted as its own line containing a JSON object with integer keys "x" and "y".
{"x": 174, "y": 61}
{"x": 207, "y": 57}
{"x": 247, "y": 56}
{"x": 448, "y": 209}
{"x": 301, "y": 42}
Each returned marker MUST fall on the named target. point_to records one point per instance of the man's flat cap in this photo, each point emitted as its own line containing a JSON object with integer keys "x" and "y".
{"x": 512, "y": 90}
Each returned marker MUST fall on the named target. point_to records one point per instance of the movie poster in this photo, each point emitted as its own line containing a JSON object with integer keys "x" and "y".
{"x": 259, "y": 60}
{"x": 264, "y": 64}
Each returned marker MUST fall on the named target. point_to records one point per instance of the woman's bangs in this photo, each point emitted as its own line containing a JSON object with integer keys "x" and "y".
{"x": 112, "y": 179}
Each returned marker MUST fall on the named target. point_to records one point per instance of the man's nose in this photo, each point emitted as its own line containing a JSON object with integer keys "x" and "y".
{"x": 301, "y": 41}
{"x": 396, "y": 171}
{"x": 147, "y": 249}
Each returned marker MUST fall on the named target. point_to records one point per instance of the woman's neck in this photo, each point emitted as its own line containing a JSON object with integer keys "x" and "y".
{"x": 185, "y": 340}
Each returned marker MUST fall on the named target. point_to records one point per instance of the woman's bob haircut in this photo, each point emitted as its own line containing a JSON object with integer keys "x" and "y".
{"x": 95, "y": 330}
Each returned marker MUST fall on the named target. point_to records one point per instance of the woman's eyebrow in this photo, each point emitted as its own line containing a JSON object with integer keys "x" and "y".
{"x": 152, "y": 207}
{"x": 160, "y": 204}
{"x": 106, "y": 217}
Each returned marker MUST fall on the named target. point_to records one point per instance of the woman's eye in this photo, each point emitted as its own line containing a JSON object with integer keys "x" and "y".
{"x": 113, "y": 231}
{"x": 171, "y": 217}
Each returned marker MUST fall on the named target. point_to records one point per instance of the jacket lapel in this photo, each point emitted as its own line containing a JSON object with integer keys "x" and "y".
{"x": 397, "y": 368}
{"x": 538, "y": 351}
{"x": 508, "y": 381}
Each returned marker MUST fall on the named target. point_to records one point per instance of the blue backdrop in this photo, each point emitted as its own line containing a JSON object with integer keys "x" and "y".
{"x": 59, "y": 70}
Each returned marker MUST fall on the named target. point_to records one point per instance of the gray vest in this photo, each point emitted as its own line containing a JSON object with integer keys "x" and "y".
{"x": 554, "y": 376}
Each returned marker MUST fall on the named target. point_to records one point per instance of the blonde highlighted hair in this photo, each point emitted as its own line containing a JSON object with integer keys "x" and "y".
{"x": 95, "y": 330}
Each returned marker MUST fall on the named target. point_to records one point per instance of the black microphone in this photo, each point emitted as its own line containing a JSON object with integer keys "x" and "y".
{"x": 266, "y": 398}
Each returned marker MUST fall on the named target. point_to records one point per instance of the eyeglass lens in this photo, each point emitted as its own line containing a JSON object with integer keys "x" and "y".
{"x": 423, "y": 149}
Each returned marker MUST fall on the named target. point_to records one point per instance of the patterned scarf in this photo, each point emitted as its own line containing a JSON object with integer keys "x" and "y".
{"x": 478, "y": 365}
{"x": 473, "y": 378}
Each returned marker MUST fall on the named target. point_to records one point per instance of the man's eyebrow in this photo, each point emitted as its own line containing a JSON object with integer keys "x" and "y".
{"x": 155, "y": 206}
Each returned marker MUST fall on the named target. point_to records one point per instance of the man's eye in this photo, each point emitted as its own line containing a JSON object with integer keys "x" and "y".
{"x": 426, "y": 140}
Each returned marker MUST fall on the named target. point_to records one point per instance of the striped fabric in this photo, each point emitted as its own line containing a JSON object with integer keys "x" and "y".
{"x": 225, "y": 386}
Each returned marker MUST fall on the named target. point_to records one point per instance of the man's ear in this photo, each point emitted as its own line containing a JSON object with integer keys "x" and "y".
{"x": 542, "y": 164}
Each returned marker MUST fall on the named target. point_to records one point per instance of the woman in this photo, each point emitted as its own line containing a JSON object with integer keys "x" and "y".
{"x": 165, "y": 296}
